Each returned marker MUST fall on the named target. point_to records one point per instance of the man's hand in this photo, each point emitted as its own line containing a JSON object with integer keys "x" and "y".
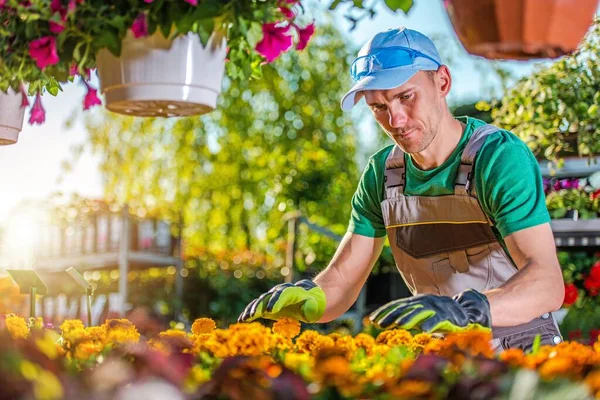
{"x": 467, "y": 310}
{"x": 303, "y": 301}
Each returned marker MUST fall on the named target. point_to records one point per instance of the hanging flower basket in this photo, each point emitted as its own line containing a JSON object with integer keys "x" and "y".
{"x": 520, "y": 29}
{"x": 11, "y": 117}
{"x": 157, "y": 77}
{"x": 50, "y": 42}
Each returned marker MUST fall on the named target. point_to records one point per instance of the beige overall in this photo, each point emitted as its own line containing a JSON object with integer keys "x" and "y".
{"x": 443, "y": 245}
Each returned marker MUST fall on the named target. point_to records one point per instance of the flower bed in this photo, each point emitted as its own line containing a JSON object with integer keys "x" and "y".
{"x": 252, "y": 361}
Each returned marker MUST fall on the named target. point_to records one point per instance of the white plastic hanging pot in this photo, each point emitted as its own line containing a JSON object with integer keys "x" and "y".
{"x": 157, "y": 77}
{"x": 11, "y": 117}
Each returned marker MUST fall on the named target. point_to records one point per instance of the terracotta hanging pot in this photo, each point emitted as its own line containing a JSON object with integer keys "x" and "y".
{"x": 11, "y": 117}
{"x": 521, "y": 29}
{"x": 156, "y": 77}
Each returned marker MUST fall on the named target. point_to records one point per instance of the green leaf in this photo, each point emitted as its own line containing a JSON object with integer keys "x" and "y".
{"x": 205, "y": 29}
{"x": 593, "y": 111}
{"x": 395, "y": 5}
{"x": 537, "y": 341}
{"x": 334, "y": 4}
{"x": 255, "y": 34}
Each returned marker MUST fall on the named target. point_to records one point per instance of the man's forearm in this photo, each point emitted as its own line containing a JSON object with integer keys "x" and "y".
{"x": 531, "y": 292}
{"x": 339, "y": 293}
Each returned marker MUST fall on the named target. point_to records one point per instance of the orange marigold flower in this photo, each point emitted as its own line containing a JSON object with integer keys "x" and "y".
{"x": 593, "y": 382}
{"x": 17, "y": 327}
{"x": 287, "y": 327}
{"x": 203, "y": 325}
{"x": 410, "y": 389}
{"x": 556, "y": 366}
{"x": 395, "y": 337}
{"x": 420, "y": 340}
{"x": 514, "y": 357}
{"x": 311, "y": 342}
{"x": 120, "y": 331}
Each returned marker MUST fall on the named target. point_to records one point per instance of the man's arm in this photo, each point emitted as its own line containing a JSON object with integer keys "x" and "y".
{"x": 537, "y": 287}
{"x": 347, "y": 272}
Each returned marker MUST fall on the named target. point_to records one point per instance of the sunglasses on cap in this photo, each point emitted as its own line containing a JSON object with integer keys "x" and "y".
{"x": 389, "y": 57}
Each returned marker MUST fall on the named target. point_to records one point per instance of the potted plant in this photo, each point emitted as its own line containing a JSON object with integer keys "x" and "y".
{"x": 12, "y": 111}
{"x": 45, "y": 43}
{"x": 557, "y": 108}
{"x": 520, "y": 29}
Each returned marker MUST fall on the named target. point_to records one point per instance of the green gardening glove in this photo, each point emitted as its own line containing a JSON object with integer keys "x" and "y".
{"x": 429, "y": 313}
{"x": 303, "y": 301}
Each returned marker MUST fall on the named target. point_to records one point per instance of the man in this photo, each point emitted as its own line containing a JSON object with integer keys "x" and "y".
{"x": 461, "y": 203}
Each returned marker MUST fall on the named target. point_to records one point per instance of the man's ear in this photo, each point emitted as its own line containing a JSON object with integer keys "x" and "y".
{"x": 444, "y": 80}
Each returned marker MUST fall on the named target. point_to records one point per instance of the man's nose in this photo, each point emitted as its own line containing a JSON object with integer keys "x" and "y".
{"x": 398, "y": 117}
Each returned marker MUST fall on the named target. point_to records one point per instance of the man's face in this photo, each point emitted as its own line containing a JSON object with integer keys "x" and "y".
{"x": 410, "y": 114}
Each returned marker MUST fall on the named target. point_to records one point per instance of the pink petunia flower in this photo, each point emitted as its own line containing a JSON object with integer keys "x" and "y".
{"x": 55, "y": 27}
{"x": 287, "y": 12}
{"x": 140, "y": 26}
{"x": 73, "y": 70}
{"x": 24, "y": 99}
{"x": 55, "y": 6}
{"x": 192, "y": 2}
{"x": 275, "y": 41}
{"x": 148, "y": 1}
{"x": 304, "y": 35}
{"x": 37, "y": 114}
{"x": 43, "y": 51}
{"x": 91, "y": 97}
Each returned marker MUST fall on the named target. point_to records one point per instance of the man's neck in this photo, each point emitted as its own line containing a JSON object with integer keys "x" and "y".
{"x": 442, "y": 146}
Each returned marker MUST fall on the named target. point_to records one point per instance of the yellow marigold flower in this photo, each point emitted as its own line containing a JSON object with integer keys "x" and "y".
{"x": 120, "y": 331}
{"x": 70, "y": 325}
{"x": 203, "y": 325}
{"x": 311, "y": 342}
{"x": 411, "y": 389}
{"x": 86, "y": 349}
{"x": 294, "y": 361}
{"x": 37, "y": 323}
{"x": 395, "y": 337}
{"x": 172, "y": 333}
{"x": 48, "y": 344}
{"x": 287, "y": 327}
{"x": 346, "y": 343}
{"x": 334, "y": 336}
{"x": 365, "y": 341}
{"x": 17, "y": 327}
{"x": 281, "y": 342}
{"x": 420, "y": 340}
{"x": 47, "y": 386}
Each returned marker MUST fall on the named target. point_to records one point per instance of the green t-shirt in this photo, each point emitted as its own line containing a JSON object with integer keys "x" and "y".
{"x": 507, "y": 178}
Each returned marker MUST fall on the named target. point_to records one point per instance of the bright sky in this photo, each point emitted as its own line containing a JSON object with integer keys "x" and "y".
{"x": 32, "y": 166}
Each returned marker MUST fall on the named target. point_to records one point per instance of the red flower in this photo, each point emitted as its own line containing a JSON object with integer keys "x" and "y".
{"x": 24, "y": 100}
{"x": 594, "y": 336}
{"x": 38, "y": 114}
{"x": 274, "y": 42}
{"x": 304, "y": 36}
{"x": 576, "y": 334}
{"x": 595, "y": 194}
{"x": 140, "y": 26}
{"x": 91, "y": 97}
{"x": 43, "y": 51}
{"x": 595, "y": 271}
{"x": 570, "y": 294}
{"x": 592, "y": 286}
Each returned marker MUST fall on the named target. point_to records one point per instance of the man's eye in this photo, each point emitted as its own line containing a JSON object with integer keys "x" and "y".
{"x": 406, "y": 96}
{"x": 378, "y": 107}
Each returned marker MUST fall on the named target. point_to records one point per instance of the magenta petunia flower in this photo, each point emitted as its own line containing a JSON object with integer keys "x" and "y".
{"x": 55, "y": 6}
{"x": 43, "y": 51}
{"x": 37, "y": 114}
{"x": 304, "y": 36}
{"x": 73, "y": 70}
{"x": 55, "y": 27}
{"x": 24, "y": 99}
{"x": 287, "y": 12}
{"x": 192, "y": 2}
{"x": 275, "y": 41}
{"x": 148, "y": 1}
{"x": 140, "y": 26}
{"x": 91, "y": 97}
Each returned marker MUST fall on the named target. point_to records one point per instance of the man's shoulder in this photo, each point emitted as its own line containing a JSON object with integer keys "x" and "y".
{"x": 377, "y": 160}
{"x": 502, "y": 143}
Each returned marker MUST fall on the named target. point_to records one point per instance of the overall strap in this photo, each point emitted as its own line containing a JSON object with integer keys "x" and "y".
{"x": 465, "y": 185}
{"x": 395, "y": 173}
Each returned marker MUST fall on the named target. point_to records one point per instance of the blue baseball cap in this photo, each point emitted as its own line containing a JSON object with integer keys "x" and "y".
{"x": 389, "y": 60}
